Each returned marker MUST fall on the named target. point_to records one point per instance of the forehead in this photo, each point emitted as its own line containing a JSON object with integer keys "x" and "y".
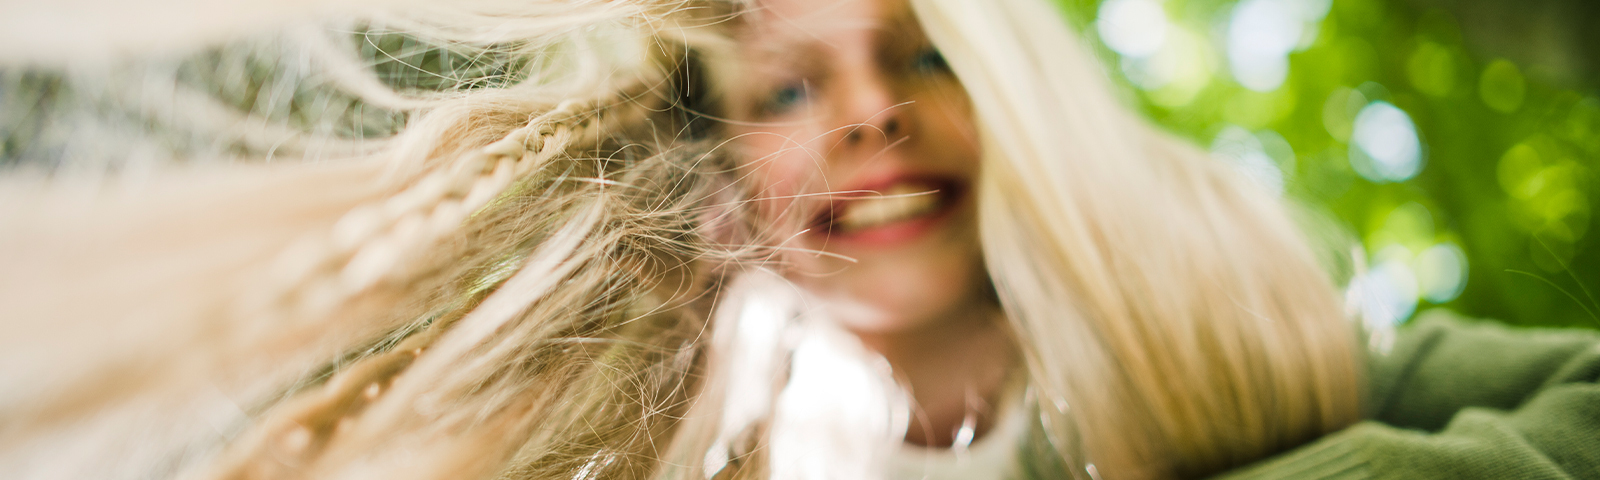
{"x": 827, "y": 24}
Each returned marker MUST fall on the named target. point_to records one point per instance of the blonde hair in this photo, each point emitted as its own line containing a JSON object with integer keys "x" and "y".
{"x": 498, "y": 290}
{"x": 1176, "y": 324}
{"x": 518, "y": 284}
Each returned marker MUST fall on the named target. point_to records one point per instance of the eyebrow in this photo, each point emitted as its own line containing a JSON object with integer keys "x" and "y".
{"x": 795, "y": 54}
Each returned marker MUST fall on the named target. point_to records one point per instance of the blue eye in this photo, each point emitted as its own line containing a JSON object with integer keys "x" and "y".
{"x": 787, "y": 97}
{"x": 930, "y": 61}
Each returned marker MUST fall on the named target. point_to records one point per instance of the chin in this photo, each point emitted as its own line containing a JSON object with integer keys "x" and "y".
{"x": 903, "y": 292}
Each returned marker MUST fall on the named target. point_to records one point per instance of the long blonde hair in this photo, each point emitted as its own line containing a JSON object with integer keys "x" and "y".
{"x": 518, "y": 284}
{"x": 1175, "y": 322}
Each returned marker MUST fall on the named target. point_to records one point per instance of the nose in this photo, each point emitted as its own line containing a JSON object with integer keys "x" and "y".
{"x": 889, "y": 129}
{"x": 873, "y": 115}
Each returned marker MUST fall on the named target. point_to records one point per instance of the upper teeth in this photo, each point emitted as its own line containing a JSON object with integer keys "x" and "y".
{"x": 901, "y": 201}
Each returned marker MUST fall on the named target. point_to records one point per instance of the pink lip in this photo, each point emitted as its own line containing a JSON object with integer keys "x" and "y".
{"x": 897, "y": 233}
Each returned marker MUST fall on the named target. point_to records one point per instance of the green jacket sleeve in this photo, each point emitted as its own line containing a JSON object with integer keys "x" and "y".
{"x": 1464, "y": 400}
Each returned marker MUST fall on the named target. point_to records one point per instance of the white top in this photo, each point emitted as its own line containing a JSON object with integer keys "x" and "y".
{"x": 993, "y": 457}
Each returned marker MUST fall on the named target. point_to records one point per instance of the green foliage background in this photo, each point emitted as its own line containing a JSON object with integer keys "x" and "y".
{"x": 1510, "y": 157}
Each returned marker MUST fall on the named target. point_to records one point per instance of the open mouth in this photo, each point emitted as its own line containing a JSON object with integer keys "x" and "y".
{"x": 904, "y": 203}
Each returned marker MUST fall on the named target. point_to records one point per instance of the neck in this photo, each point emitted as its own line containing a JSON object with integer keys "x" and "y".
{"x": 954, "y": 368}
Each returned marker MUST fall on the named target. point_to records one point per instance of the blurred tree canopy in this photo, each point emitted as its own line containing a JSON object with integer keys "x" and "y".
{"x": 1457, "y": 140}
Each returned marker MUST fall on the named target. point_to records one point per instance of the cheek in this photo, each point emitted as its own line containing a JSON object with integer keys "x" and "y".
{"x": 775, "y": 169}
{"x": 948, "y": 127}
{"x": 775, "y": 163}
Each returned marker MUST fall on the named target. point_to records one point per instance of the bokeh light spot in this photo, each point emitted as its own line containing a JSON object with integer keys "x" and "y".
{"x": 1253, "y": 157}
{"x": 1410, "y": 225}
{"x": 1432, "y": 69}
{"x": 1262, "y": 34}
{"x": 1501, "y": 87}
{"x": 1339, "y": 112}
{"x": 1260, "y": 37}
{"x": 1519, "y": 171}
{"x": 1384, "y": 144}
{"x": 1441, "y": 272}
{"x": 1581, "y": 125}
{"x": 1175, "y": 74}
{"x": 1386, "y": 295}
{"x": 1565, "y": 214}
{"x": 1135, "y": 28}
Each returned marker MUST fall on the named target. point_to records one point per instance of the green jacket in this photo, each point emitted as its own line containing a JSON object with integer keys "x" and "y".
{"x": 1466, "y": 400}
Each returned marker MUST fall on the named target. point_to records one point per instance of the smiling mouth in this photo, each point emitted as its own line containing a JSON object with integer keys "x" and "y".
{"x": 899, "y": 203}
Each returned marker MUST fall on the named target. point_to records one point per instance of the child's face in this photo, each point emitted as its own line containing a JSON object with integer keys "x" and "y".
{"x": 849, "y": 97}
